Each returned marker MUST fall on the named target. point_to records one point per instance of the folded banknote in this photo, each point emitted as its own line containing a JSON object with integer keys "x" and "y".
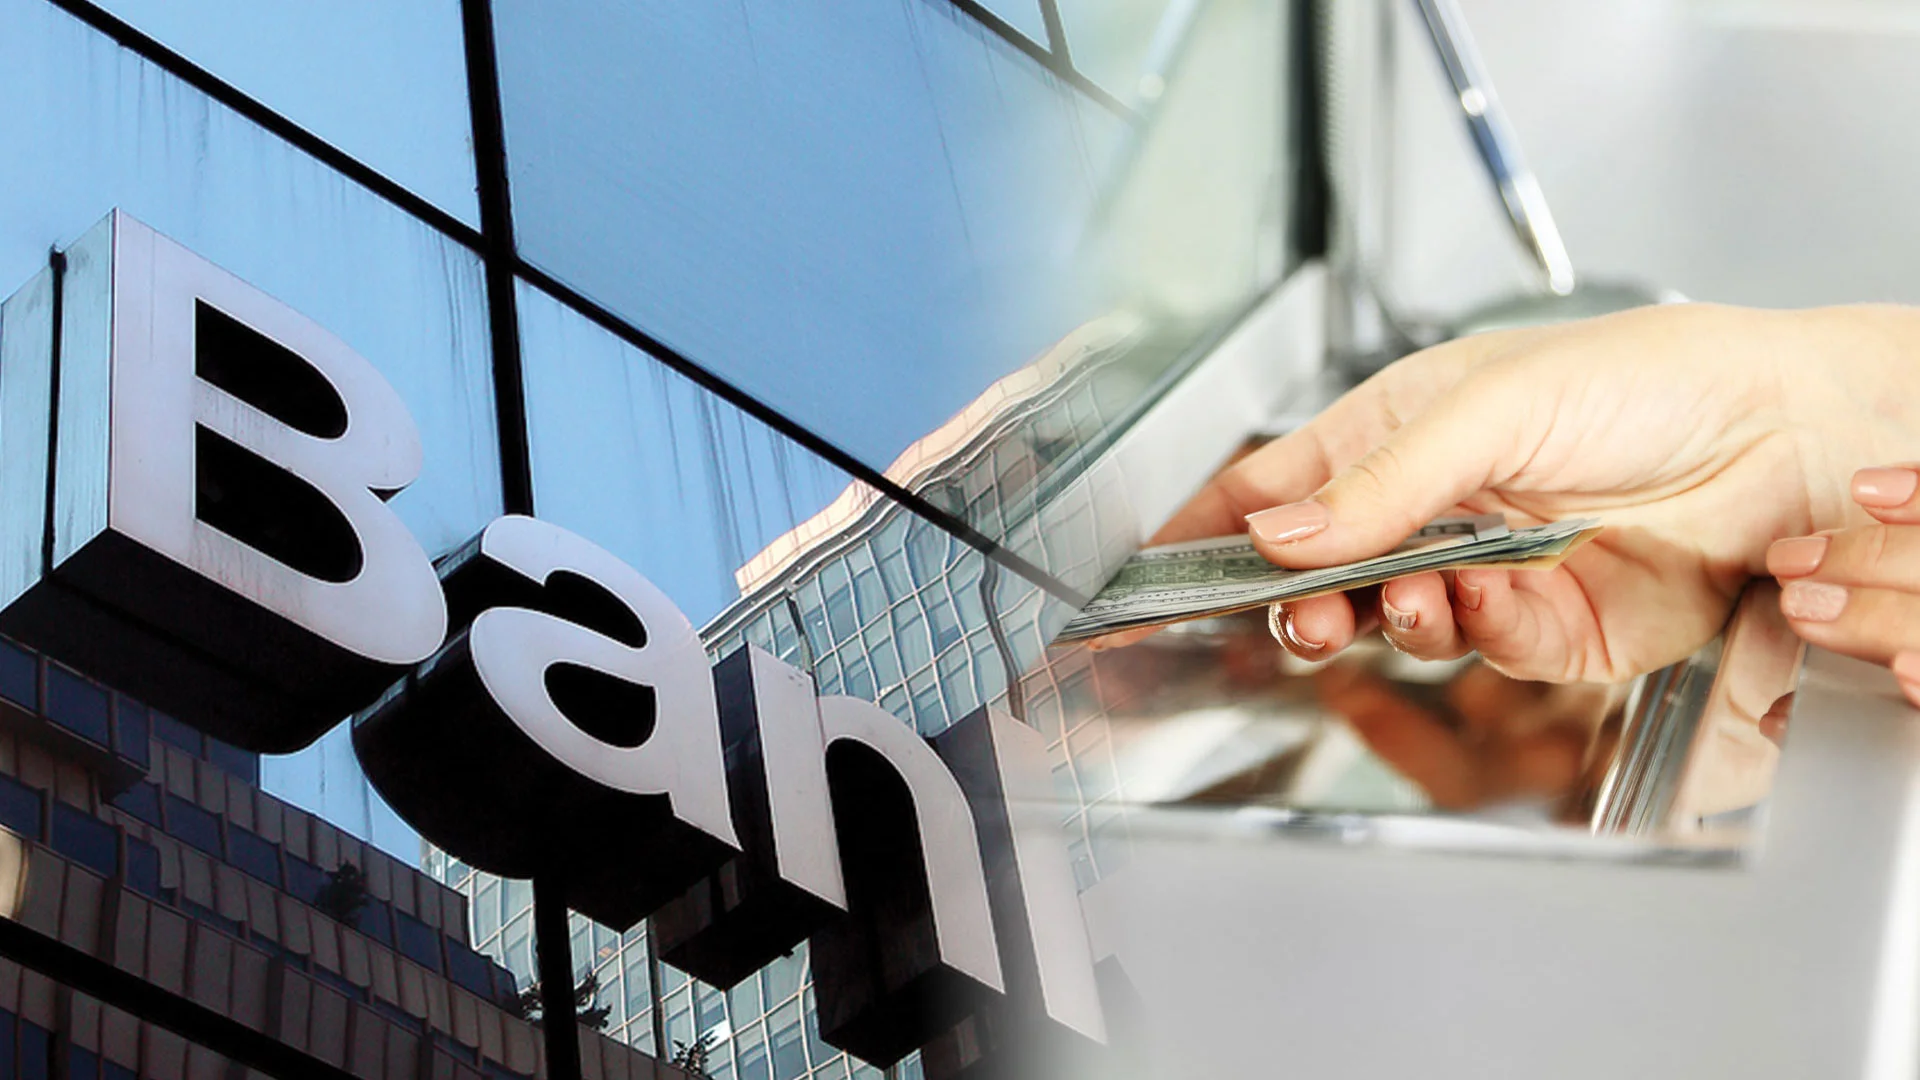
{"x": 1195, "y": 580}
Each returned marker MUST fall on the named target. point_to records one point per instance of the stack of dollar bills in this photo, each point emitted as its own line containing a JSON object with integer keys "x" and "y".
{"x": 1196, "y": 580}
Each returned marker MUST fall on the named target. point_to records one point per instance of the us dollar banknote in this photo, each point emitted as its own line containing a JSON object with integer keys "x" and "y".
{"x": 1196, "y": 580}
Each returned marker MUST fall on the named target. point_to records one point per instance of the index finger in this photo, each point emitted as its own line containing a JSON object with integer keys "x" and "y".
{"x": 1299, "y": 463}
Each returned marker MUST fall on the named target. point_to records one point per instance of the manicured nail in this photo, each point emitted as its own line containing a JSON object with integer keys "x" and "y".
{"x": 1285, "y": 524}
{"x": 1399, "y": 620}
{"x": 1813, "y": 601}
{"x": 1796, "y": 557}
{"x": 1290, "y": 634}
{"x": 1468, "y": 592}
{"x": 1883, "y": 487}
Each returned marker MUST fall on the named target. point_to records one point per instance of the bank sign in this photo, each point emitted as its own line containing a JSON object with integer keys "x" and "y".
{"x": 193, "y": 486}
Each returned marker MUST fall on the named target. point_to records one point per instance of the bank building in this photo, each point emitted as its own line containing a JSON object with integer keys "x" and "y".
{"x": 850, "y": 327}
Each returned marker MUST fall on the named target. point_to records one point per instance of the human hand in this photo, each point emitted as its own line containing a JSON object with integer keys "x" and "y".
{"x": 1857, "y": 591}
{"x": 1697, "y": 433}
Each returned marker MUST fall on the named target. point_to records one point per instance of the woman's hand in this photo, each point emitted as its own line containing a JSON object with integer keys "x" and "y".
{"x": 1857, "y": 591}
{"x": 1698, "y": 434}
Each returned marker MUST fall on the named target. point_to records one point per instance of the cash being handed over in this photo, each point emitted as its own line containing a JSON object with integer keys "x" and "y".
{"x": 1217, "y": 577}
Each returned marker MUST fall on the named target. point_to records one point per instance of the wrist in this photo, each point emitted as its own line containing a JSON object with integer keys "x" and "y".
{"x": 1850, "y": 384}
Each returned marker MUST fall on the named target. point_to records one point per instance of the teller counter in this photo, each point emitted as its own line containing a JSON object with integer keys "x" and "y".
{"x": 1379, "y": 866}
{"x": 1213, "y": 724}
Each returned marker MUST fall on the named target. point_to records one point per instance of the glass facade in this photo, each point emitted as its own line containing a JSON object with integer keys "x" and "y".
{"x": 893, "y": 185}
{"x": 339, "y": 71}
{"x": 818, "y": 315}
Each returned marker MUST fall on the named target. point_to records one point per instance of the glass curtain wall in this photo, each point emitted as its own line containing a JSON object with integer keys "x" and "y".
{"x": 816, "y": 311}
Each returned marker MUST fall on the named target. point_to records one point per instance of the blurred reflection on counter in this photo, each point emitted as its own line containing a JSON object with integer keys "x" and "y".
{"x": 1214, "y": 716}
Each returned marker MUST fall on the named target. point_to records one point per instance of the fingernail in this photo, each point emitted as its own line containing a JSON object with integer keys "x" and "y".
{"x": 1399, "y": 620}
{"x": 1906, "y": 666}
{"x": 1468, "y": 592}
{"x": 1290, "y": 634}
{"x": 1285, "y": 524}
{"x": 1796, "y": 557}
{"x": 1813, "y": 601}
{"x": 1884, "y": 487}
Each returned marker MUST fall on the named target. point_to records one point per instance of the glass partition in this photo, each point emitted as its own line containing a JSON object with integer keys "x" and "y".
{"x": 342, "y": 70}
{"x": 931, "y": 252}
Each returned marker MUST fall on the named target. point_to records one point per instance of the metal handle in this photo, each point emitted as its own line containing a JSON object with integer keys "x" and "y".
{"x": 1499, "y": 148}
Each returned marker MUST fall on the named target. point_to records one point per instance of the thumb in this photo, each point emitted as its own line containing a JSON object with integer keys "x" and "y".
{"x": 1459, "y": 446}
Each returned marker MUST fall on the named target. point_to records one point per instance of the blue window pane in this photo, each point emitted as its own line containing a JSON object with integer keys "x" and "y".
{"x": 652, "y": 467}
{"x": 870, "y": 593}
{"x": 418, "y": 941}
{"x": 893, "y": 569}
{"x": 898, "y": 190}
{"x": 8, "y": 1027}
{"x": 326, "y": 780}
{"x": 840, "y": 618}
{"x": 928, "y": 712}
{"x": 753, "y": 1061}
{"x": 131, "y": 730}
{"x": 78, "y": 704}
{"x": 470, "y": 970}
{"x": 231, "y": 759}
{"x": 304, "y": 879}
{"x": 253, "y": 854}
{"x": 880, "y": 652}
{"x": 142, "y": 800}
{"x": 709, "y": 1009}
{"x": 374, "y": 921}
{"x": 143, "y": 867}
{"x": 82, "y": 1064}
{"x": 174, "y": 733}
{"x": 945, "y": 622}
{"x": 910, "y": 631}
{"x": 926, "y": 552}
{"x": 343, "y": 70}
{"x": 784, "y": 1038}
{"x": 186, "y": 821}
{"x": 19, "y": 676}
{"x": 505, "y": 987}
{"x": 858, "y": 677}
{"x": 639, "y": 987}
{"x": 93, "y": 127}
{"x": 21, "y": 808}
{"x": 36, "y": 1052}
{"x": 86, "y": 840}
